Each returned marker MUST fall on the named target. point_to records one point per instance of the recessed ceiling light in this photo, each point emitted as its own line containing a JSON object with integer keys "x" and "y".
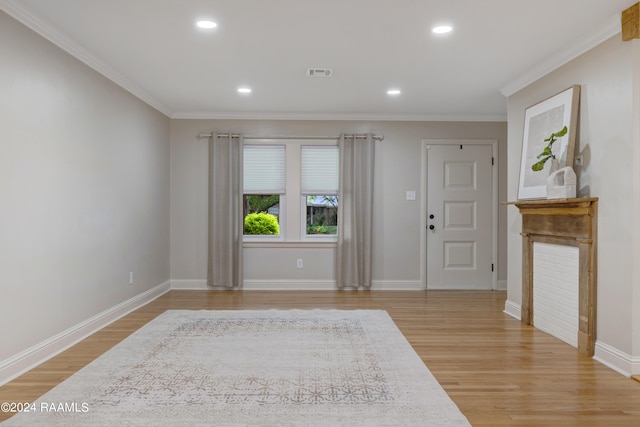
{"x": 442, "y": 29}
{"x": 244, "y": 90}
{"x": 393, "y": 92}
{"x": 206, "y": 25}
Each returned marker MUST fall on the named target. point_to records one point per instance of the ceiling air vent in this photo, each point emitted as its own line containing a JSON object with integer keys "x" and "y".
{"x": 319, "y": 72}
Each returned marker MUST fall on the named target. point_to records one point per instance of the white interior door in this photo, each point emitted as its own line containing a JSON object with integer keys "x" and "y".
{"x": 459, "y": 217}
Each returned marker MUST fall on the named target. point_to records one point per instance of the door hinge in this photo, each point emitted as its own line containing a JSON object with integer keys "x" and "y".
{"x": 461, "y": 146}
{"x": 492, "y": 161}
{"x": 491, "y": 267}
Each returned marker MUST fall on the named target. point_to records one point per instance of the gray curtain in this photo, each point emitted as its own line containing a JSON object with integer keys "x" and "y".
{"x": 355, "y": 213}
{"x": 225, "y": 212}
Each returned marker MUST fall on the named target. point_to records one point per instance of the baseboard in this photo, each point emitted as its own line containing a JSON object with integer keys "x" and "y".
{"x": 190, "y": 285}
{"x": 300, "y": 285}
{"x": 253, "y": 285}
{"x": 501, "y": 285}
{"x": 512, "y": 309}
{"x": 397, "y": 285}
{"x": 30, "y": 358}
{"x": 459, "y": 287}
{"x": 289, "y": 285}
{"x": 617, "y": 360}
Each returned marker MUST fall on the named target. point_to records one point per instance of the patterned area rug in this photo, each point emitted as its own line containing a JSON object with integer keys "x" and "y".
{"x": 253, "y": 368}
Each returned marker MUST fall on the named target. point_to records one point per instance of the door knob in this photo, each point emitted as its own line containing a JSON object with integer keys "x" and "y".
{"x": 432, "y": 227}
{"x": 431, "y": 216}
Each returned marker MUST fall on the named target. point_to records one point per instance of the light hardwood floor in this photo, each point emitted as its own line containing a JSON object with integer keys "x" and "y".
{"x": 498, "y": 372}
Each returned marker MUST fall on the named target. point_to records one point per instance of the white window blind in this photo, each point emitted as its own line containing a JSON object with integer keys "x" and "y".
{"x": 264, "y": 169}
{"x": 320, "y": 170}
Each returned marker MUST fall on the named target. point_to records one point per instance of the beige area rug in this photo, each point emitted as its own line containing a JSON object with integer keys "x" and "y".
{"x": 253, "y": 368}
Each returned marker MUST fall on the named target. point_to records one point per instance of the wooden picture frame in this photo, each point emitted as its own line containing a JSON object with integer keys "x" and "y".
{"x": 540, "y": 121}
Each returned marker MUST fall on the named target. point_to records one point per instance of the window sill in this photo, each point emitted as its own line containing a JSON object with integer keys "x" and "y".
{"x": 299, "y": 244}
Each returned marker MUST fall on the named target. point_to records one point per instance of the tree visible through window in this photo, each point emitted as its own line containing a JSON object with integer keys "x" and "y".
{"x": 261, "y": 214}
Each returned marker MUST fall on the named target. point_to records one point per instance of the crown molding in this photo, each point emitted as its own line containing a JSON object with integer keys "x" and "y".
{"x": 340, "y": 117}
{"x": 608, "y": 29}
{"x": 26, "y": 17}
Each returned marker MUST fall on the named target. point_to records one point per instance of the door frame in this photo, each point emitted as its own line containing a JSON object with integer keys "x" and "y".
{"x": 494, "y": 202}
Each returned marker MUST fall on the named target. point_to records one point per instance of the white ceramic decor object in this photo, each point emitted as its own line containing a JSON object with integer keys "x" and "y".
{"x": 561, "y": 184}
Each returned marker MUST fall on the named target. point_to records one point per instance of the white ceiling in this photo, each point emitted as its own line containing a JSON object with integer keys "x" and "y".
{"x": 153, "y": 49}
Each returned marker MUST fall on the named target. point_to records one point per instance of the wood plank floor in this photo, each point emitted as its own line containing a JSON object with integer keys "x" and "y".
{"x": 498, "y": 372}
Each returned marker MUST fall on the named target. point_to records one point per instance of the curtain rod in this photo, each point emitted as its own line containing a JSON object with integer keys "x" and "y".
{"x": 235, "y": 135}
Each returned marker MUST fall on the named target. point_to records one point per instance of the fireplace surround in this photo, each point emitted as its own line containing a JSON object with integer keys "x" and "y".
{"x": 569, "y": 222}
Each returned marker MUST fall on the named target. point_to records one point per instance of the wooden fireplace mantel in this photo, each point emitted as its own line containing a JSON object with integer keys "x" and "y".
{"x": 570, "y": 222}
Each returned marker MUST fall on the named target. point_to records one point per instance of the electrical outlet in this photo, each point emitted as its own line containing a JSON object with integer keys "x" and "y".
{"x": 299, "y": 263}
{"x": 131, "y": 277}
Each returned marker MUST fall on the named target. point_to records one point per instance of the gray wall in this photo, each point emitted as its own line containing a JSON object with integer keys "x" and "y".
{"x": 610, "y": 147}
{"x": 84, "y": 191}
{"x": 397, "y": 222}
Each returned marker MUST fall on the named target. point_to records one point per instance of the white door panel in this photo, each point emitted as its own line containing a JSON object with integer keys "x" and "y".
{"x": 459, "y": 217}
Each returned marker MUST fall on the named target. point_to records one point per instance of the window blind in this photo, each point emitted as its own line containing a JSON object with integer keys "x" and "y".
{"x": 320, "y": 170}
{"x": 264, "y": 169}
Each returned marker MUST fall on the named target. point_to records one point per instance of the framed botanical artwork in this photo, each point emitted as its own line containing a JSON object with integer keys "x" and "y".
{"x": 541, "y": 121}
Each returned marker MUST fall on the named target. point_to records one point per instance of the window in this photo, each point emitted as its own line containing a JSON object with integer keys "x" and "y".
{"x": 276, "y": 171}
{"x": 319, "y": 188}
{"x": 263, "y": 189}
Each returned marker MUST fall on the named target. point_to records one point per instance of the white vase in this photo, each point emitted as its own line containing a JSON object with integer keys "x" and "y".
{"x": 561, "y": 184}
